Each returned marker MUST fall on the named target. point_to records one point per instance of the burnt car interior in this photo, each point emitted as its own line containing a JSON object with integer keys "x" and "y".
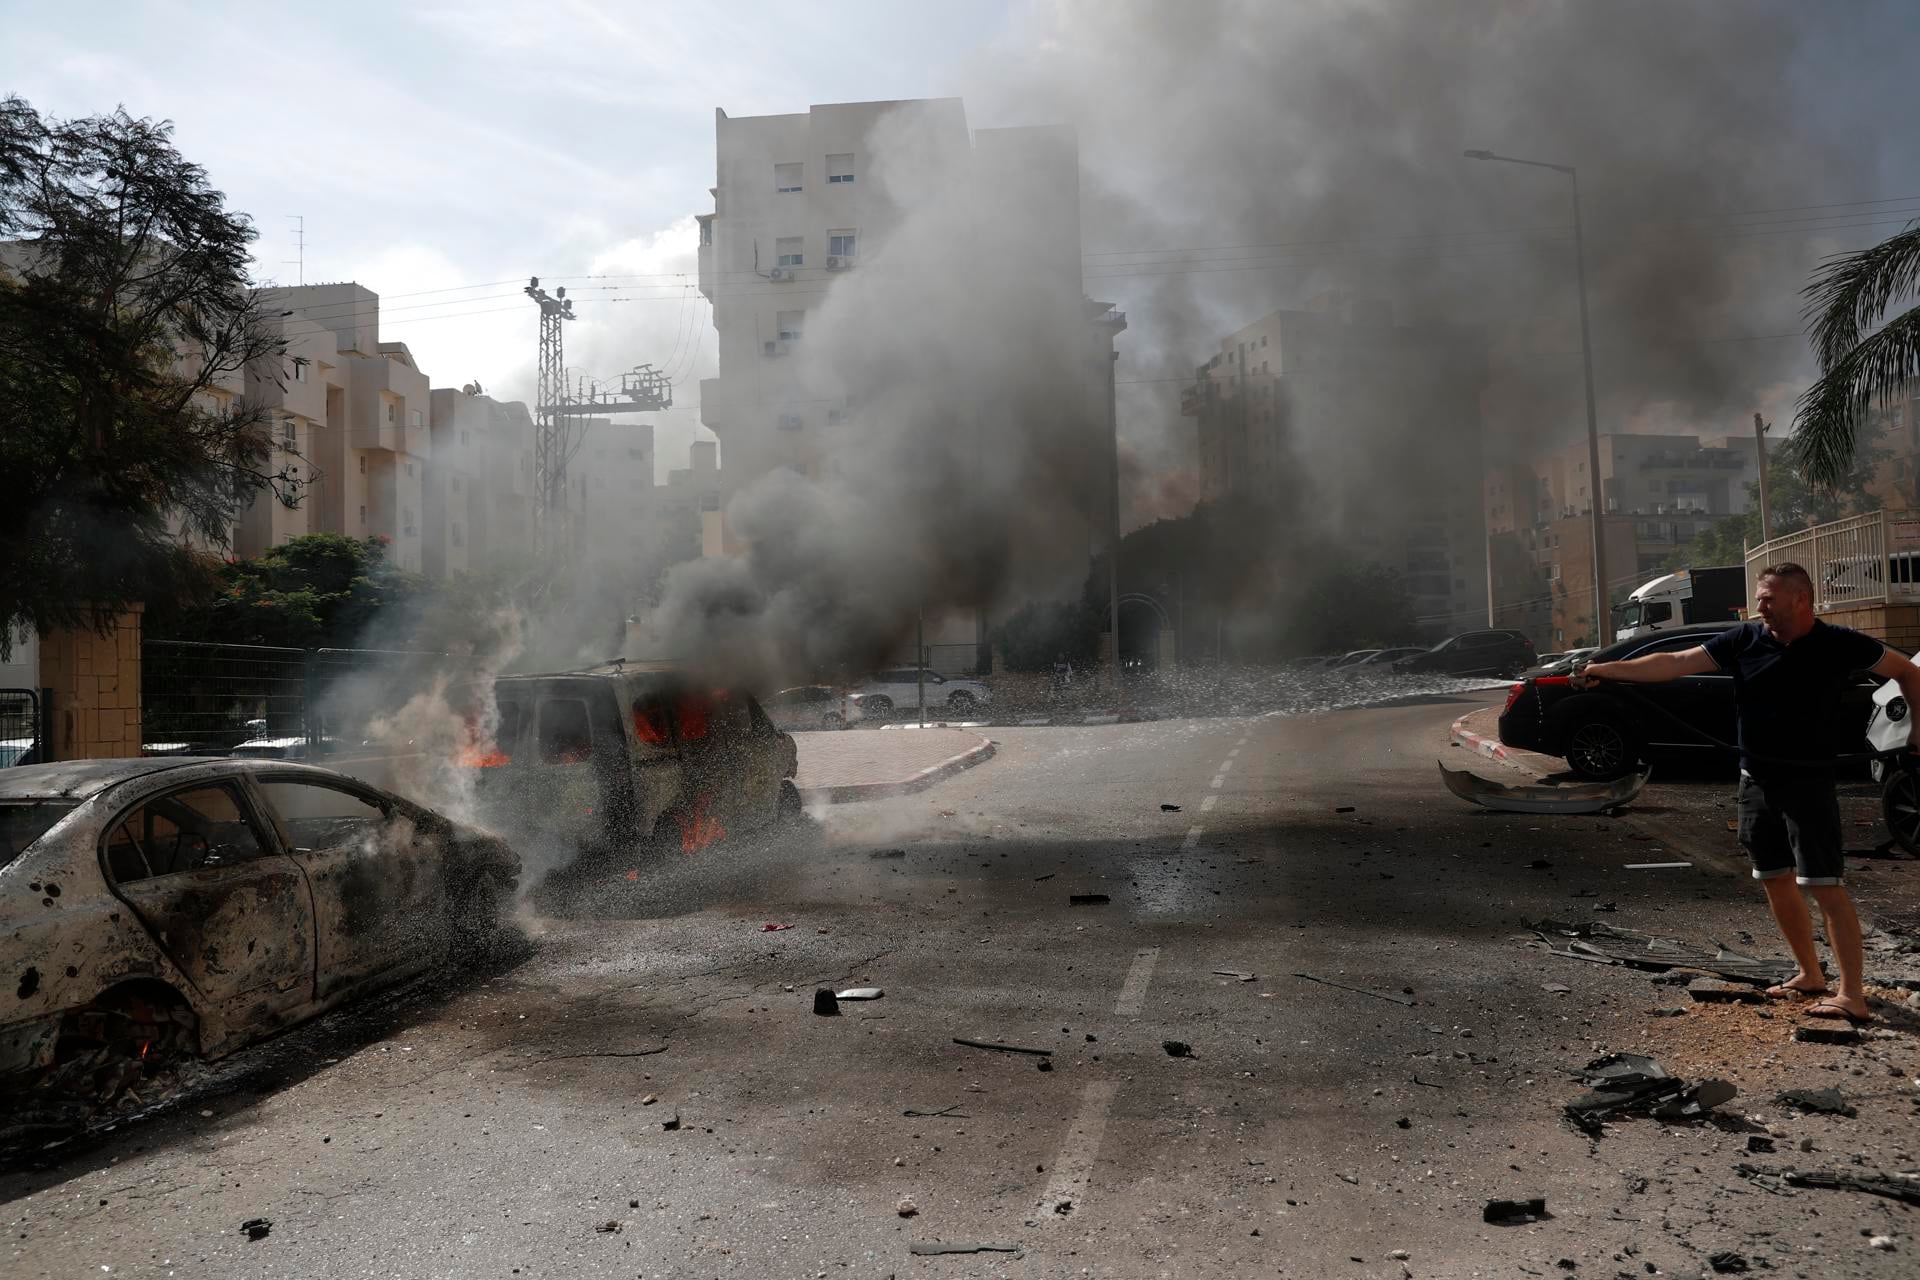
{"x": 323, "y": 817}
{"x": 185, "y": 831}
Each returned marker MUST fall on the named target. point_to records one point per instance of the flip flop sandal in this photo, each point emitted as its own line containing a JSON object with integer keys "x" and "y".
{"x": 1829, "y": 1011}
{"x": 1781, "y": 991}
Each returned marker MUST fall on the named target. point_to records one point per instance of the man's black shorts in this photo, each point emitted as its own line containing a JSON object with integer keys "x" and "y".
{"x": 1792, "y": 826}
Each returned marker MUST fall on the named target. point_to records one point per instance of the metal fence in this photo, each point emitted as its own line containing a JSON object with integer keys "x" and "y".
{"x": 208, "y": 699}
{"x": 22, "y": 728}
{"x": 1865, "y": 559}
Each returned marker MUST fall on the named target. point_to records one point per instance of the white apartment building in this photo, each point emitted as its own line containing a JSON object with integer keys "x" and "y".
{"x": 479, "y": 482}
{"x": 798, "y": 211}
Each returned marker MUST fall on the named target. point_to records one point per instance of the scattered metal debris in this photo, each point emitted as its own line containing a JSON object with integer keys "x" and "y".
{"x": 1169, "y": 808}
{"x": 1345, "y": 808}
{"x": 1758, "y": 1144}
{"x": 929, "y": 1249}
{"x": 1050, "y": 875}
{"x": 1088, "y": 899}
{"x": 1571, "y": 798}
{"x": 952, "y": 1111}
{"x": 1717, "y": 991}
{"x": 859, "y": 993}
{"x": 1829, "y": 1102}
{"x": 1728, "y": 1262}
{"x": 770, "y": 927}
{"x": 1826, "y": 1035}
{"x": 1177, "y": 1048}
{"x": 257, "y": 1228}
{"x": 826, "y": 1004}
{"x": 671, "y": 1123}
{"x": 1510, "y": 1213}
{"x": 1904, "y": 1187}
{"x": 1622, "y": 1084}
{"x": 610, "y": 1227}
{"x": 1377, "y": 995}
{"x": 1241, "y": 974}
{"x": 1002, "y": 1048}
{"x": 1656, "y": 866}
{"x": 1605, "y": 944}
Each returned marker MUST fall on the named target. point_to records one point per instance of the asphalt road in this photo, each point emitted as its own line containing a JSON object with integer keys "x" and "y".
{"x": 519, "y": 1122}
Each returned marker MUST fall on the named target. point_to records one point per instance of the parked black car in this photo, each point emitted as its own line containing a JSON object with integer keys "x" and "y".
{"x": 1472, "y": 653}
{"x": 1603, "y": 733}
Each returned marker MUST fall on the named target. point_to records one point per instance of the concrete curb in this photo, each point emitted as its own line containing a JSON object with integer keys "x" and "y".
{"x": 920, "y": 781}
{"x": 1491, "y": 748}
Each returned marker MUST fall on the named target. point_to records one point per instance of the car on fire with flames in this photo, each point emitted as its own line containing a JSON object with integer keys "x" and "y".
{"x": 625, "y": 755}
{"x": 160, "y": 908}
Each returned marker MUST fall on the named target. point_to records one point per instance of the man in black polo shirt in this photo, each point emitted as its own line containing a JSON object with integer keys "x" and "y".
{"x": 1789, "y": 671}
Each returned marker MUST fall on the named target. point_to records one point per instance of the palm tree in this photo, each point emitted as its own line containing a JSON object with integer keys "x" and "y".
{"x": 1858, "y": 370}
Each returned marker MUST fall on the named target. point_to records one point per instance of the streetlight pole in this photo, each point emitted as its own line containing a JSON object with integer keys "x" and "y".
{"x": 1602, "y": 615}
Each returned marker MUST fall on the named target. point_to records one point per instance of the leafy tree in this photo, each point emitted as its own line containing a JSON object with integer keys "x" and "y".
{"x": 126, "y": 325}
{"x": 321, "y": 590}
{"x": 1793, "y": 501}
{"x": 1847, "y": 297}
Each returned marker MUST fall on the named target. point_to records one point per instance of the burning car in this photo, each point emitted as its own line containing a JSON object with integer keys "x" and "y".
{"x": 161, "y": 908}
{"x": 628, "y": 754}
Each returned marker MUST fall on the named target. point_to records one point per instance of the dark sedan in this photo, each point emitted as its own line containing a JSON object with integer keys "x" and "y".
{"x": 1472, "y": 653}
{"x": 1604, "y": 732}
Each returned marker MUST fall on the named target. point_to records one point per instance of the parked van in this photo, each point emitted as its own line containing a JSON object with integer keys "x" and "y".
{"x": 625, "y": 754}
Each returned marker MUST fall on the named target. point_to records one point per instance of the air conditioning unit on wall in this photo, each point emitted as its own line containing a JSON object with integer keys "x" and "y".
{"x": 780, "y": 274}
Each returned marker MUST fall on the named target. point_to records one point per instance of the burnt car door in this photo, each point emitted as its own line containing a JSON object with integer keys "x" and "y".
{"x": 712, "y": 731}
{"x": 578, "y": 771}
{"x": 232, "y": 912}
{"x": 378, "y": 885}
{"x": 766, "y": 763}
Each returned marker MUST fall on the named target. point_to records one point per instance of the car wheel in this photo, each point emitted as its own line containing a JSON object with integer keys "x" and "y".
{"x": 1900, "y": 806}
{"x": 1508, "y": 670}
{"x": 1601, "y": 750}
{"x": 832, "y": 720}
{"x": 473, "y": 919}
{"x": 879, "y": 704}
{"x": 791, "y": 806}
{"x": 960, "y": 700}
{"x": 128, "y": 1035}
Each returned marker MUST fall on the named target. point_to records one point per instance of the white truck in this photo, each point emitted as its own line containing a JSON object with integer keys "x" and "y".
{"x": 1681, "y": 597}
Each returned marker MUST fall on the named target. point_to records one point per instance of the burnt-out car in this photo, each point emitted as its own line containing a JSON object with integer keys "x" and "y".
{"x": 627, "y": 755}
{"x": 184, "y": 906}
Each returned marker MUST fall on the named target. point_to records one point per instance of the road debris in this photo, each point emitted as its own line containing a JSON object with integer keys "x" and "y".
{"x": 1826, "y": 1035}
{"x": 770, "y": 927}
{"x": 1719, "y": 991}
{"x": 1002, "y": 1048}
{"x": 1904, "y": 1187}
{"x": 952, "y": 1112}
{"x": 826, "y": 1004}
{"x": 1562, "y": 798}
{"x": 1727, "y": 1262}
{"x": 257, "y": 1228}
{"x": 1759, "y": 1144}
{"x": 1623, "y": 1084}
{"x": 1241, "y": 974}
{"x": 611, "y": 1227}
{"x": 888, "y": 853}
{"x": 906, "y": 1208}
{"x": 1377, "y": 995}
{"x": 1512, "y": 1213}
{"x": 1050, "y": 875}
{"x": 859, "y": 993}
{"x": 671, "y": 1123}
{"x": 1656, "y": 866}
{"x": 1088, "y": 899}
{"x": 1345, "y": 808}
{"x": 1605, "y": 944}
{"x": 1177, "y": 1048}
{"x": 1827, "y": 1102}
{"x": 931, "y": 1249}
{"x": 1169, "y": 808}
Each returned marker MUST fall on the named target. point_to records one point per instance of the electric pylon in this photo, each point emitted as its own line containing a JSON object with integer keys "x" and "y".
{"x": 552, "y": 426}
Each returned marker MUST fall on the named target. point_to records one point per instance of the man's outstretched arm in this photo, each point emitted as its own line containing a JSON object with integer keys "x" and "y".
{"x": 1652, "y": 668}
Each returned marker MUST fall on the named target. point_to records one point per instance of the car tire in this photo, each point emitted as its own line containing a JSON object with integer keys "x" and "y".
{"x": 962, "y": 701}
{"x": 1900, "y": 807}
{"x": 878, "y": 704}
{"x": 832, "y": 720}
{"x": 1601, "y": 749}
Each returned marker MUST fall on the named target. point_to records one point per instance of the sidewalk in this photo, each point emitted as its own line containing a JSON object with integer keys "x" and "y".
{"x": 838, "y": 767}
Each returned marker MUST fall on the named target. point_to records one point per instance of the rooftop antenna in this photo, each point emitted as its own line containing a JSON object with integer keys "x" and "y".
{"x": 300, "y": 245}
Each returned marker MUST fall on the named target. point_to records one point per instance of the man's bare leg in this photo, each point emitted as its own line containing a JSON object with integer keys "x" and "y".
{"x": 1796, "y": 926}
{"x": 1849, "y": 957}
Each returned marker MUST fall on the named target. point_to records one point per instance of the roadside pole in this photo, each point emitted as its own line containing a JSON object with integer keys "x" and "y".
{"x": 1760, "y": 443}
{"x": 920, "y": 662}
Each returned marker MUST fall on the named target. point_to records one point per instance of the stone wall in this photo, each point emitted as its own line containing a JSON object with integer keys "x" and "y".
{"x": 1897, "y": 624}
{"x": 95, "y": 679}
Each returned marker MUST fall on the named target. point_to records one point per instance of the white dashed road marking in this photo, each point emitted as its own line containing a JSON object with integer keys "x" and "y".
{"x": 1218, "y": 778}
{"x": 1226, "y": 766}
{"x": 1206, "y": 806}
{"x": 1134, "y": 990}
{"x": 1193, "y": 839}
{"x": 1073, "y": 1166}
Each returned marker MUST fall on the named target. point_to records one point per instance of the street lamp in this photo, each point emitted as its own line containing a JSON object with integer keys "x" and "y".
{"x": 1603, "y": 618}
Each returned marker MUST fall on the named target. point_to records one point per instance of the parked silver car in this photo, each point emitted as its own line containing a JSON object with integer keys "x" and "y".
{"x": 900, "y": 687}
{"x": 814, "y": 706}
{"x": 185, "y": 905}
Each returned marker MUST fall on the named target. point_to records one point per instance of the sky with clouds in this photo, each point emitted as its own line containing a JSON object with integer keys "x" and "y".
{"x": 439, "y": 153}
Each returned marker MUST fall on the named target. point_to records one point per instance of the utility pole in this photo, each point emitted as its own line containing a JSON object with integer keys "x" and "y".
{"x": 920, "y": 661}
{"x": 551, "y": 427}
{"x": 1760, "y": 430}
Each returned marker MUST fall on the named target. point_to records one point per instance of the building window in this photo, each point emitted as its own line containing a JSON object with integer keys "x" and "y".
{"x": 362, "y": 459}
{"x": 415, "y": 419}
{"x": 299, "y": 368}
{"x": 363, "y": 516}
{"x": 788, "y": 248}
{"x": 289, "y": 432}
{"x": 706, "y": 231}
{"x": 459, "y": 535}
{"x": 786, "y": 178}
{"x": 840, "y": 244}
{"x": 839, "y": 168}
{"x": 392, "y": 412}
{"x": 790, "y": 324}
{"x": 407, "y": 527}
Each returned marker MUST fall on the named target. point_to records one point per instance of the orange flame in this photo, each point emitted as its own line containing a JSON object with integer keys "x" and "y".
{"x": 697, "y": 830}
{"x": 476, "y": 758}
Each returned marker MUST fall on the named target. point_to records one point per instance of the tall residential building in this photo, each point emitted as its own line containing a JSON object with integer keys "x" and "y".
{"x": 798, "y": 213}
{"x": 1659, "y": 492}
{"x": 479, "y": 482}
{"x": 1372, "y": 428}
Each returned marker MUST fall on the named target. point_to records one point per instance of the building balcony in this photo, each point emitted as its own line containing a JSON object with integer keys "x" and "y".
{"x": 706, "y": 271}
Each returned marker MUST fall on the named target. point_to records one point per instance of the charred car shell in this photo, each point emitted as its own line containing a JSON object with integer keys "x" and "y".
{"x": 621, "y": 755}
{"x": 205, "y": 903}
